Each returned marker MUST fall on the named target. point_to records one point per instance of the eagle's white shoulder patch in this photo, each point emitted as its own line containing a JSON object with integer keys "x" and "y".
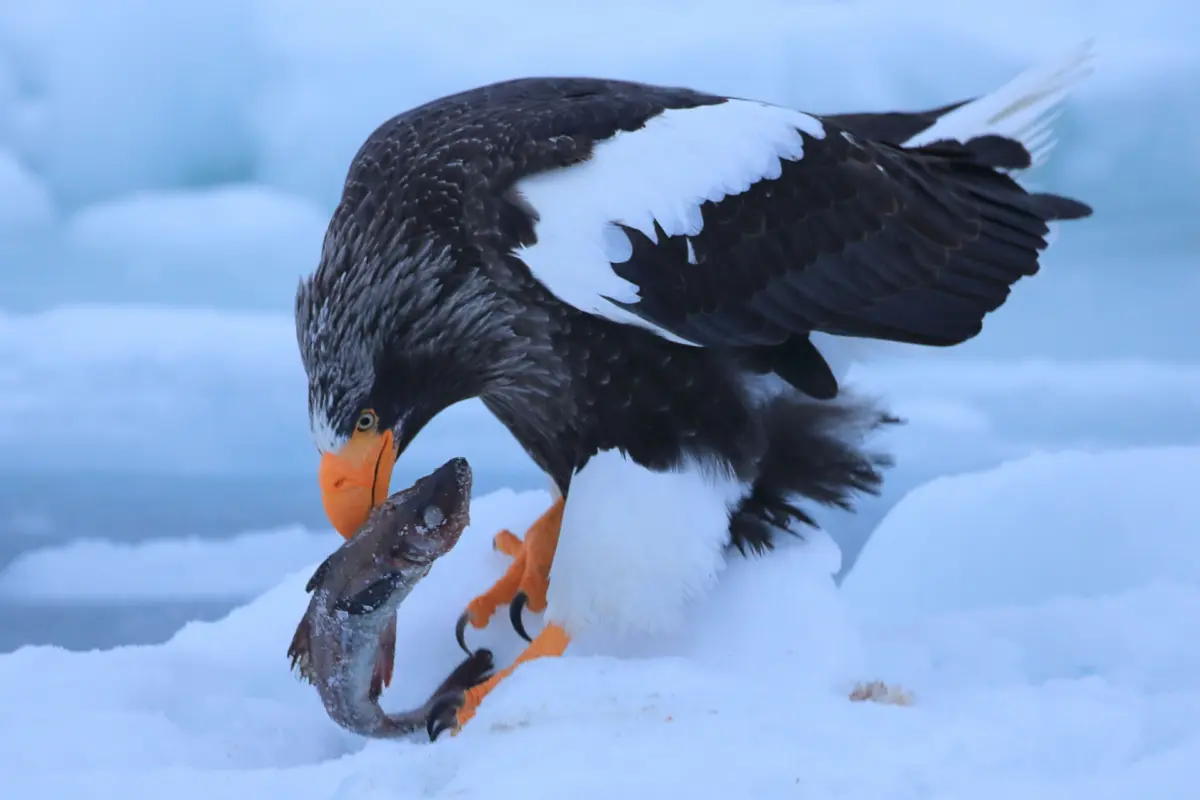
{"x": 660, "y": 173}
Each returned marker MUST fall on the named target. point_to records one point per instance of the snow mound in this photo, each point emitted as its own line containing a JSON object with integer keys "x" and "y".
{"x": 25, "y": 203}
{"x": 1121, "y": 520}
{"x": 1092, "y": 697}
{"x": 197, "y": 247}
{"x": 238, "y": 568}
{"x": 131, "y": 95}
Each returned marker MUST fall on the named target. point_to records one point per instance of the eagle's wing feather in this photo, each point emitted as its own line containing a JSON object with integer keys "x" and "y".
{"x": 714, "y": 221}
{"x": 854, "y": 238}
{"x": 729, "y": 223}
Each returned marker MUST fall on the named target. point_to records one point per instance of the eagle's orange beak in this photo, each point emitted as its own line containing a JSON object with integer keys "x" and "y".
{"x": 356, "y": 480}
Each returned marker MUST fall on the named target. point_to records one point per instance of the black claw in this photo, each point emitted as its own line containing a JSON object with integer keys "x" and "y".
{"x": 514, "y": 615}
{"x": 443, "y": 714}
{"x": 460, "y": 632}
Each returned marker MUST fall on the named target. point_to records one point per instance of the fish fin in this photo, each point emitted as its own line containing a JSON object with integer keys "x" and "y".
{"x": 300, "y": 650}
{"x": 319, "y": 574}
{"x": 385, "y": 661}
{"x": 374, "y": 596}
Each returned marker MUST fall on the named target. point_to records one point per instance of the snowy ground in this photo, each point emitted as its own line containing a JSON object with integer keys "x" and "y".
{"x": 1059, "y": 672}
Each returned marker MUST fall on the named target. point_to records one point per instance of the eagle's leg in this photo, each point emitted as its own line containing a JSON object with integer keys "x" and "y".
{"x": 551, "y": 642}
{"x": 541, "y": 542}
{"x": 527, "y": 577}
{"x": 480, "y": 610}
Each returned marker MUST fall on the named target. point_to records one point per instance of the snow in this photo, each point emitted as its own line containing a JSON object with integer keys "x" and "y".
{"x": 1110, "y": 545}
{"x": 24, "y": 202}
{"x": 104, "y": 103}
{"x": 238, "y": 568}
{"x": 252, "y": 236}
{"x": 182, "y": 391}
{"x": 1041, "y": 686}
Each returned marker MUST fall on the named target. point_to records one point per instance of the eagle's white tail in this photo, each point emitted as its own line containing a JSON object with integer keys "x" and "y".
{"x": 1023, "y": 109}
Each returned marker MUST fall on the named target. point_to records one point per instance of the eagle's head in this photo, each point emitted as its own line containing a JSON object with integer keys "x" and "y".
{"x": 391, "y": 332}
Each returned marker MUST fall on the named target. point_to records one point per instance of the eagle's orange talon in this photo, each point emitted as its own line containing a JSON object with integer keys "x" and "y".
{"x": 507, "y": 542}
{"x": 550, "y": 643}
{"x": 535, "y": 586}
{"x": 541, "y": 542}
{"x": 528, "y": 574}
{"x": 480, "y": 609}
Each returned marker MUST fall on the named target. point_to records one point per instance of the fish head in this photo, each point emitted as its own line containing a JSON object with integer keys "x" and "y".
{"x": 376, "y": 568}
{"x": 428, "y": 518}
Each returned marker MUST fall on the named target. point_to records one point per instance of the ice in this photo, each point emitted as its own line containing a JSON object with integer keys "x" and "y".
{"x": 24, "y": 202}
{"x": 188, "y": 392}
{"x": 235, "y": 245}
{"x": 238, "y": 568}
{"x": 1046, "y": 688}
{"x": 956, "y": 542}
{"x": 131, "y": 95}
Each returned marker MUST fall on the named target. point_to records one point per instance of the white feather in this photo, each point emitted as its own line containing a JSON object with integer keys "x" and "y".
{"x": 1024, "y": 109}
{"x": 637, "y": 546}
{"x": 326, "y": 439}
{"x": 659, "y": 173}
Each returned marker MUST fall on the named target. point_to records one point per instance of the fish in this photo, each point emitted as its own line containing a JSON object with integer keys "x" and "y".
{"x": 355, "y": 595}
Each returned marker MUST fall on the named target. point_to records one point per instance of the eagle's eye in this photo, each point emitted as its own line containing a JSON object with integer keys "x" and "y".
{"x": 367, "y": 421}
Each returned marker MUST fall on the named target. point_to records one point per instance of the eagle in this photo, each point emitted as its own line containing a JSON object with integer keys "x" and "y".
{"x": 636, "y": 280}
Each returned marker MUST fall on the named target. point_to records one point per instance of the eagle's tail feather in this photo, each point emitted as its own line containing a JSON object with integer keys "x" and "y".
{"x": 1022, "y": 110}
{"x": 815, "y": 452}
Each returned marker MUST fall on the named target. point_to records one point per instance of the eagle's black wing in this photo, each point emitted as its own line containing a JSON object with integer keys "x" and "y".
{"x": 857, "y": 237}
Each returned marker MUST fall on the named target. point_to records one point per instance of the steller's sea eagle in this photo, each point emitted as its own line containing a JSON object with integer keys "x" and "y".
{"x": 617, "y": 270}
